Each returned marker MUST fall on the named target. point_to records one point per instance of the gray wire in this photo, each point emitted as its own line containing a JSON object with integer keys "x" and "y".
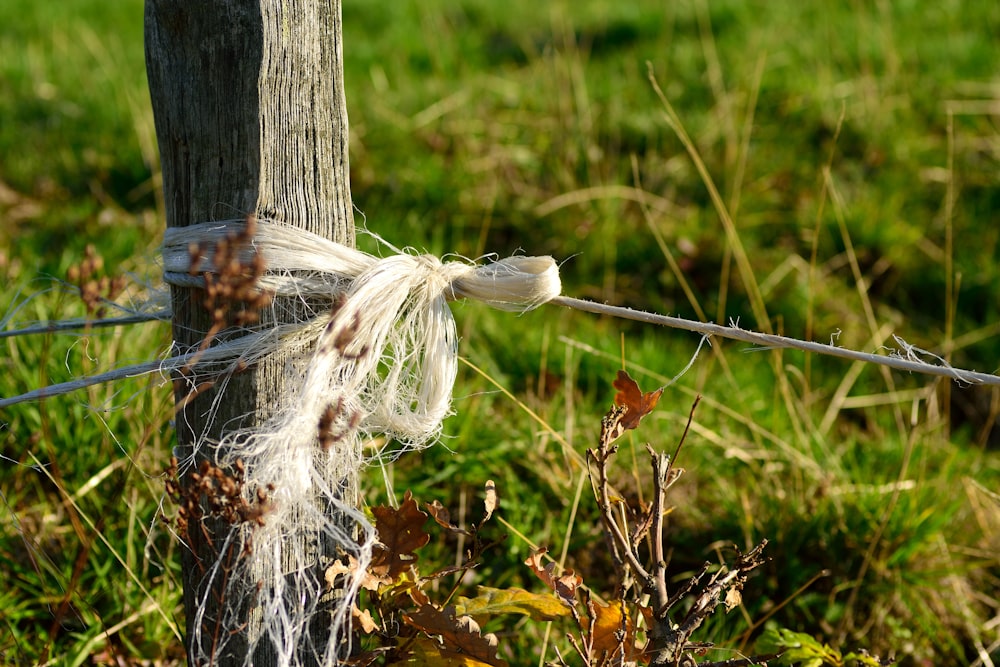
{"x": 908, "y": 360}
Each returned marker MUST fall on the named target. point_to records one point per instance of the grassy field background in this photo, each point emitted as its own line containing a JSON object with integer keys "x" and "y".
{"x": 856, "y": 147}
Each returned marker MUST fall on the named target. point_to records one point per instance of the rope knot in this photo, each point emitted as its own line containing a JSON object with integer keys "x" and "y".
{"x": 438, "y": 277}
{"x": 390, "y": 349}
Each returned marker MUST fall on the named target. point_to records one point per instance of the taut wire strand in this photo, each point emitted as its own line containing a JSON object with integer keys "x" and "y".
{"x": 85, "y": 323}
{"x": 907, "y": 358}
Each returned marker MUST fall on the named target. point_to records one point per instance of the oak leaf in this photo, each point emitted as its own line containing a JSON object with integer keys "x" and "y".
{"x": 614, "y": 632}
{"x": 400, "y": 534}
{"x": 426, "y": 651}
{"x": 364, "y": 620}
{"x": 563, "y": 585}
{"x": 460, "y": 635}
{"x": 637, "y": 404}
{"x": 441, "y": 515}
{"x": 492, "y": 601}
{"x": 369, "y": 580}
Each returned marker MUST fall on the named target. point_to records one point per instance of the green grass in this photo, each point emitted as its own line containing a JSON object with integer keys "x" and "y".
{"x": 854, "y": 142}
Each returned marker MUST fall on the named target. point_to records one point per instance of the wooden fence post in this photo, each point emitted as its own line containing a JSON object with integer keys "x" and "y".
{"x": 251, "y": 118}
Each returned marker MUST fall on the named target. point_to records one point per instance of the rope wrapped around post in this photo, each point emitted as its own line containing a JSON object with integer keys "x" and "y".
{"x": 378, "y": 356}
{"x": 393, "y": 310}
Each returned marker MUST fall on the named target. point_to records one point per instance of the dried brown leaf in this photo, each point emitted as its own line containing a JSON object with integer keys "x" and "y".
{"x": 637, "y": 404}
{"x": 400, "y": 533}
{"x": 492, "y": 501}
{"x": 364, "y": 620}
{"x": 441, "y": 515}
{"x": 368, "y": 657}
{"x": 563, "y": 585}
{"x": 337, "y": 569}
{"x": 413, "y": 591}
{"x": 369, "y": 580}
{"x": 460, "y": 635}
{"x": 733, "y": 598}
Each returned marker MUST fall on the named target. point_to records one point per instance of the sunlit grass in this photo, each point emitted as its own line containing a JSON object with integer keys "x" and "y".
{"x": 859, "y": 202}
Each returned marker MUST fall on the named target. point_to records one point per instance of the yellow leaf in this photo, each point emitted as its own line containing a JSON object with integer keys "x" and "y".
{"x": 614, "y": 632}
{"x": 424, "y": 651}
{"x": 493, "y": 601}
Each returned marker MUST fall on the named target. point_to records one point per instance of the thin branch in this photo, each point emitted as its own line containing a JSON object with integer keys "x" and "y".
{"x": 661, "y": 469}
{"x": 607, "y": 515}
{"x": 742, "y": 662}
{"x": 684, "y": 590}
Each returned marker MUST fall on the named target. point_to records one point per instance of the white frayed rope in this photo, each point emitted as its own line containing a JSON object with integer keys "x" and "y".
{"x": 384, "y": 361}
{"x": 400, "y": 364}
